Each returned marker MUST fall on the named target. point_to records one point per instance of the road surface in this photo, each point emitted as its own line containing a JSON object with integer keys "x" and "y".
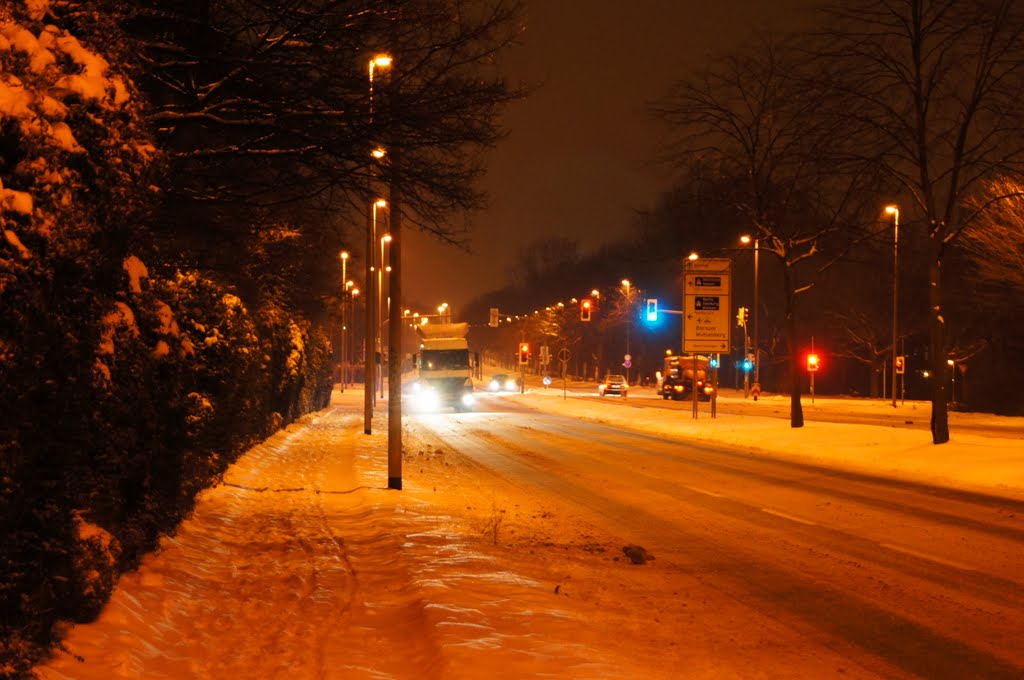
{"x": 898, "y": 579}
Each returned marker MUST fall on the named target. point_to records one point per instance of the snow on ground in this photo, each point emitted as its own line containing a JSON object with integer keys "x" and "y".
{"x": 992, "y": 462}
{"x": 302, "y": 565}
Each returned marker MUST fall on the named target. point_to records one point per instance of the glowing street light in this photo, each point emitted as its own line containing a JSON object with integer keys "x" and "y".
{"x": 384, "y": 303}
{"x": 746, "y": 240}
{"x": 895, "y": 212}
{"x": 378, "y": 61}
{"x": 344, "y": 356}
{"x": 629, "y": 322}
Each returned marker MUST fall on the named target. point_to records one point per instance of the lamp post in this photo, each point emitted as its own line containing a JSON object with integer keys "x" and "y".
{"x": 344, "y": 293}
{"x": 383, "y": 308}
{"x": 351, "y": 292}
{"x": 380, "y": 61}
{"x": 952, "y": 380}
{"x": 372, "y": 293}
{"x": 377, "y": 62}
{"x": 895, "y": 212}
{"x": 629, "y": 322}
{"x": 757, "y": 307}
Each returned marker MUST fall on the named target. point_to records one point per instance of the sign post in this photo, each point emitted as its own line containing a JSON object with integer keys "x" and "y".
{"x": 707, "y": 290}
{"x": 707, "y": 293}
{"x": 563, "y": 356}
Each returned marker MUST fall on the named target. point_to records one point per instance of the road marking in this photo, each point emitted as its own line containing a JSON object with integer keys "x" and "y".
{"x": 789, "y": 517}
{"x": 704, "y": 491}
{"x": 926, "y": 556}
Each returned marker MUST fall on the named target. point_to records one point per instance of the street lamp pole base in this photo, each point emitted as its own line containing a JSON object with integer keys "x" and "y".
{"x": 395, "y": 483}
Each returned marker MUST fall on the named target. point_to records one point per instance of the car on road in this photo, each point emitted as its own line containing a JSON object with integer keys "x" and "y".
{"x": 500, "y": 382}
{"x": 613, "y": 384}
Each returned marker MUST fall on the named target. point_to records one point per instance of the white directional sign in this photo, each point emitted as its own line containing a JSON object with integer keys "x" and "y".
{"x": 706, "y": 291}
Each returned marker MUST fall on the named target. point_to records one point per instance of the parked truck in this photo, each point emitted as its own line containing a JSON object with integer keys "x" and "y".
{"x": 677, "y": 377}
{"x": 444, "y": 369}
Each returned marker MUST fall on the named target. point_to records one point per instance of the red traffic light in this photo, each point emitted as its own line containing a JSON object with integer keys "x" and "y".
{"x": 900, "y": 365}
{"x": 813, "y": 362}
{"x": 524, "y": 352}
{"x": 586, "y": 306}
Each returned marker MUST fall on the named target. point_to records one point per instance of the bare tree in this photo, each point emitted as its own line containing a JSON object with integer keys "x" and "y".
{"x": 752, "y": 122}
{"x": 264, "y": 109}
{"x": 544, "y": 262}
{"x": 995, "y": 241}
{"x": 935, "y": 89}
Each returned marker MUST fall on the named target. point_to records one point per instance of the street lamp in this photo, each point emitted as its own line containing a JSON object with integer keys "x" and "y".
{"x": 895, "y": 212}
{"x": 372, "y": 296}
{"x": 382, "y": 311}
{"x": 952, "y": 380}
{"x": 344, "y": 280}
{"x": 352, "y": 292}
{"x": 629, "y": 322}
{"x": 757, "y": 281}
{"x": 379, "y": 61}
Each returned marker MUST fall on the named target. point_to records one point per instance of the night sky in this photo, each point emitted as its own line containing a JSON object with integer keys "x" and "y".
{"x": 578, "y": 158}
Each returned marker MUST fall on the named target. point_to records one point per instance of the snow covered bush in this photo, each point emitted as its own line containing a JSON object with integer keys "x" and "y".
{"x": 127, "y": 388}
{"x": 95, "y": 565}
{"x": 73, "y": 154}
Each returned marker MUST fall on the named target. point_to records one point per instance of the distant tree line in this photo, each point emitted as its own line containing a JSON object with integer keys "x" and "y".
{"x": 177, "y": 180}
{"x": 800, "y": 141}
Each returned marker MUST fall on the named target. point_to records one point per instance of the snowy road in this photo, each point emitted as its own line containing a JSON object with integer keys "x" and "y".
{"x": 502, "y": 558}
{"x": 902, "y": 578}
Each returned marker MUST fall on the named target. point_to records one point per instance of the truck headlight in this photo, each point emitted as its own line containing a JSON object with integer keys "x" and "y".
{"x": 428, "y": 400}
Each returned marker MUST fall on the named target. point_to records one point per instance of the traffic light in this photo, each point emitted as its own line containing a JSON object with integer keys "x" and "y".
{"x": 652, "y": 309}
{"x": 812, "y": 363}
{"x": 586, "y": 307}
{"x": 900, "y": 365}
{"x": 524, "y": 353}
{"x": 713, "y": 362}
{"x": 742, "y": 314}
{"x": 748, "y": 365}
{"x": 493, "y": 323}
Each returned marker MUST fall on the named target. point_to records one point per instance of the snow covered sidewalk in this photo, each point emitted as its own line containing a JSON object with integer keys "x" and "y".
{"x": 299, "y": 567}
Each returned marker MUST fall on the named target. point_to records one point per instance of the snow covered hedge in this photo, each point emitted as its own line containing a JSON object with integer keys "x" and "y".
{"x": 123, "y": 393}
